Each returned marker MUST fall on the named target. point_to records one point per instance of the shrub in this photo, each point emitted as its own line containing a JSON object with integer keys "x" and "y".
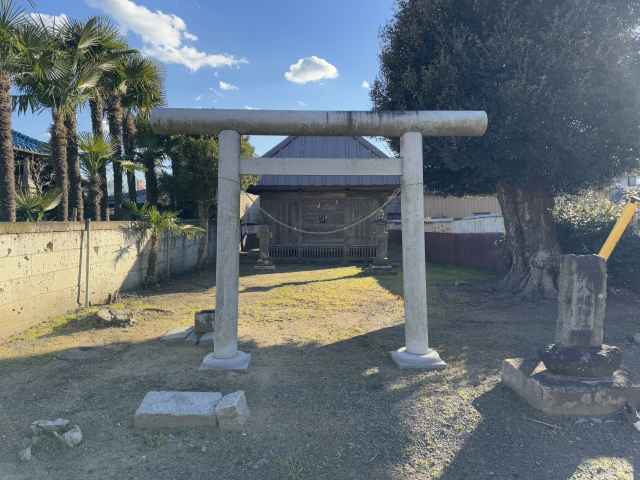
{"x": 583, "y": 222}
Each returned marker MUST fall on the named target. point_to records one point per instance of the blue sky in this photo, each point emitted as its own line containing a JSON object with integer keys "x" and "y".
{"x": 280, "y": 54}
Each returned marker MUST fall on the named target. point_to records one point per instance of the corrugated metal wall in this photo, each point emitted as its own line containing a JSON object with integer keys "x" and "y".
{"x": 436, "y": 206}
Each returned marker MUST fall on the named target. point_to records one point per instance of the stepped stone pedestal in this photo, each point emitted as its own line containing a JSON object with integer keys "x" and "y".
{"x": 577, "y": 375}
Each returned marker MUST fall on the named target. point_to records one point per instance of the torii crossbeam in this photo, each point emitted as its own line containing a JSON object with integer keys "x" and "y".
{"x": 410, "y": 126}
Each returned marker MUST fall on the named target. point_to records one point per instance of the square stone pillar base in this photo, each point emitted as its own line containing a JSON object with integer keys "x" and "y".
{"x": 238, "y": 362}
{"x": 429, "y": 361}
{"x": 567, "y": 395}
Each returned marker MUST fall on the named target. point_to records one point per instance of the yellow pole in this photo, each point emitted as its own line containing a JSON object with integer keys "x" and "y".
{"x": 618, "y": 229}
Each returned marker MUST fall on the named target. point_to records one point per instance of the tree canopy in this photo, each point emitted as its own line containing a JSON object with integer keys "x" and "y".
{"x": 558, "y": 79}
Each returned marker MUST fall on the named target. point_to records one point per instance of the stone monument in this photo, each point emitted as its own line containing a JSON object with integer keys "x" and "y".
{"x": 381, "y": 263}
{"x": 577, "y": 375}
{"x": 582, "y": 304}
{"x": 264, "y": 239}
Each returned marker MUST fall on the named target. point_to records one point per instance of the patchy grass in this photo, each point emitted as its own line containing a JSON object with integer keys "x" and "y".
{"x": 326, "y": 401}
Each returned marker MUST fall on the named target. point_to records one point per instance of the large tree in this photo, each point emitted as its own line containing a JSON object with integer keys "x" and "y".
{"x": 558, "y": 79}
{"x": 195, "y": 178}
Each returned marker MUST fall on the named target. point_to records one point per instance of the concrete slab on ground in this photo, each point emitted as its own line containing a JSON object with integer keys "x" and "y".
{"x": 167, "y": 410}
{"x": 565, "y": 395}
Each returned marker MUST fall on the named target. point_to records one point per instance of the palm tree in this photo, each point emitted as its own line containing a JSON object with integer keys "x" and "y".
{"x": 12, "y": 20}
{"x": 32, "y": 205}
{"x": 96, "y": 152}
{"x": 76, "y": 202}
{"x": 75, "y": 76}
{"x": 108, "y": 47}
{"x": 157, "y": 223}
{"x": 142, "y": 93}
{"x": 151, "y": 149}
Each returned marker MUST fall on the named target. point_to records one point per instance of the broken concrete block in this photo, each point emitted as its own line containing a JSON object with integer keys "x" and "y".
{"x": 232, "y": 411}
{"x": 178, "y": 335}
{"x": 194, "y": 338}
{"x": 25, "y": 454}
{"x": 49, "y": 426}
{"x": 165, "y": 410}
{"x": 115, "y": 318}
{"x": 72, "y": 437}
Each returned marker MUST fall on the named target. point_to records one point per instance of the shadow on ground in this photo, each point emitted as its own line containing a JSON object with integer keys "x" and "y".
{"x": 335, "y": 411}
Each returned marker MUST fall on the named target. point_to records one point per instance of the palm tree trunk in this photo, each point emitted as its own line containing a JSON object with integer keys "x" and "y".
{"x": 96, "y": 194}
{"x": 59, "y": 154}
{"x": 7, "y": 161}
{"x": 96, "y": 105}
{"x": 203, "y": 247}
{"x": 151, "y": 180}
{"x": 153, "y": 258}
{"x": 75, "y": 178}
{"x": 114, "y": 115}
{"x": 129, "y": 138}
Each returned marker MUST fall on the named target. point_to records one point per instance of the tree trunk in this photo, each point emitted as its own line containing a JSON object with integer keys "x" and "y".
{"x": 96, "y": 195}
{"x": 75, "y": 178}
{"x": 129, "y": 138}
{"x": 7, "y": 161}
{"x": 203, "y": 247}
{"x": 151, "y": 180}
{"x": 96, "y": 105}
{"x": 153, "y": 257}
{"x": 115, "y": 130}
{"x": 59, "y": 154}
{"x": 530, "y": 240}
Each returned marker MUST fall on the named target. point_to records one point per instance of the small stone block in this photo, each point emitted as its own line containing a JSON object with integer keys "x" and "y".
{"x": 429, "y": 361}
{"x": 238, "y": 362}
{"x": 566, "y": 395}
{"x": 206, "y": 339}
{"x": 385, "y": 269}
{"x": 232, "y": 411}
{"x": 264, "y": 268}
{"x": 167, "y": 410}
{"x": 177, "y": 336}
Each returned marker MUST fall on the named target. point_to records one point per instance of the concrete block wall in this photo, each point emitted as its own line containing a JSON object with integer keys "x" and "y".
{"x": 43, "y": 266}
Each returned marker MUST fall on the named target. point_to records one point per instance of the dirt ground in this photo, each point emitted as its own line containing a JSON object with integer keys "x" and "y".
{"x": 326, "y": 400}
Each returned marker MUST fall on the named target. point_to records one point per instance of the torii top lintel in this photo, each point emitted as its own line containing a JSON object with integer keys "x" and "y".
{"x": 203, "y": 121}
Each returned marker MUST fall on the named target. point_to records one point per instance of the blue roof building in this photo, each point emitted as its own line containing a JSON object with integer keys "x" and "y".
{"x": 26, "y": 144}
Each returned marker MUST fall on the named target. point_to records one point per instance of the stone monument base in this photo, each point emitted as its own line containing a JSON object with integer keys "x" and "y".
{"x": 565, "y": 395}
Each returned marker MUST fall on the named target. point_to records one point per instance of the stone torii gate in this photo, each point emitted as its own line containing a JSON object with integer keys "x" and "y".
{"x": 409, "y": 126}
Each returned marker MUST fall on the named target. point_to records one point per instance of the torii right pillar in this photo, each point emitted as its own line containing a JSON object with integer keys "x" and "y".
{"x": 416, "y": 352}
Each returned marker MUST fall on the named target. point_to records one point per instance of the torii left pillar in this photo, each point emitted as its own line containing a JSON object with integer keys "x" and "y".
{"x": 225, "y": 355}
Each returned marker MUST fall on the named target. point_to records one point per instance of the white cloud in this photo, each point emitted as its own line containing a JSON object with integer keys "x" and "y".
{"x": 49, "y": 20}
{"x": 162, "y": 35}
{"x": 366, "y": 85}
{"x": 227, "y": 87}
{"x": 190, "y": 57}
{"x": 198, "y": 98}
{"x": 301, "y": 103}
{"x": 311, "y": 69}
{"x": 247, "y": 107}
